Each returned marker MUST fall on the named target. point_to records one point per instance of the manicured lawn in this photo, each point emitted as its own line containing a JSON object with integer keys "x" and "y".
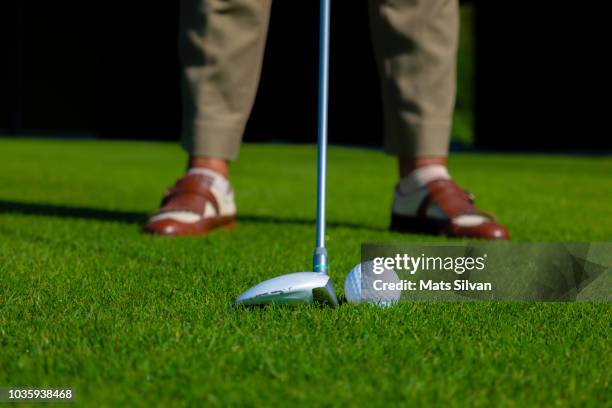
{"x": 88, "y": 301}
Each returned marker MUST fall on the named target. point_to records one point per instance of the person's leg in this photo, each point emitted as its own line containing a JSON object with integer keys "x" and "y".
{"x": 221, "y": 45}
{"x": 415, "y": 43}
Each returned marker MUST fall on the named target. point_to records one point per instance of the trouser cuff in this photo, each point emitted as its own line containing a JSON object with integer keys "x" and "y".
{"x": 212, "y": 140}
{"x": 418, "y": 140}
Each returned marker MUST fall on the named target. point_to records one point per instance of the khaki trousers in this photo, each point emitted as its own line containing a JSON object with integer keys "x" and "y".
{"x": 222, "y": 45}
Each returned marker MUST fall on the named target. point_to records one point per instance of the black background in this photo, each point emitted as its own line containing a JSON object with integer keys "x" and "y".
{"x": 110, "y": 70}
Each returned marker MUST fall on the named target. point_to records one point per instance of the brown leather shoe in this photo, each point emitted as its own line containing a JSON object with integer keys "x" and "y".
{"x": 194, "y": 206}
{"x": 447, "y": 209}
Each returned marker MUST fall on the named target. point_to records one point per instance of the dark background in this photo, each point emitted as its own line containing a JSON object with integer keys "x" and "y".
{"x": 110, "y": 70}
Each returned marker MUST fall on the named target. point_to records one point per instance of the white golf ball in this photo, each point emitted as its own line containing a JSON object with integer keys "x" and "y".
{"x": 363, "y": 285}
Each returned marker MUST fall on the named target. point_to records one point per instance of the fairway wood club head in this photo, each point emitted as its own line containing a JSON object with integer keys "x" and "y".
{"x": 292, "y": 289}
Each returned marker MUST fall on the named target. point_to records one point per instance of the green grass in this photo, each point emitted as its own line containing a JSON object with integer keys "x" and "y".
{"x": 88, "y": 301}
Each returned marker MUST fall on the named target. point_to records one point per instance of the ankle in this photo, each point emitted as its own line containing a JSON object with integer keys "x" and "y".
{"x": 220, "y": 166}
{"x": 407, "y": 165}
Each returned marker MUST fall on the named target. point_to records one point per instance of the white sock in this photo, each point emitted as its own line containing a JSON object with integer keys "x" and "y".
{"x": 421, "y": 177}
{"x": 219, "y": 181}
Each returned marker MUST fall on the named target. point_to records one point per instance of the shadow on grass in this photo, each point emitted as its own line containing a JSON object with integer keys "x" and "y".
{"x": 267, "y": 219}
{"x": 136, "y": 217}
{"x": 63, "y": 211}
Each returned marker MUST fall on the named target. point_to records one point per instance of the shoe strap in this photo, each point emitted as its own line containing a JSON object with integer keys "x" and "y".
{"x": 450, "y": 199}
{"x": 190, "y": 194}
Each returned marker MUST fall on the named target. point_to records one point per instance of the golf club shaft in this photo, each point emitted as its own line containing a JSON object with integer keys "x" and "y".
{"x": 320, "y": 256}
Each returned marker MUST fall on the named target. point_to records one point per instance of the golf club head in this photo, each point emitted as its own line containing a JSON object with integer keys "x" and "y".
{"x": 292, "y": 289}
